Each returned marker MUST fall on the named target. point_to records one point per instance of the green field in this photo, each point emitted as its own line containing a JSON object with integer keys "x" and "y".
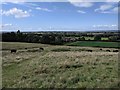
{"x": 92, "y": 38}
{"x": 95, "y": 44}
{"x": 58, "y": 66}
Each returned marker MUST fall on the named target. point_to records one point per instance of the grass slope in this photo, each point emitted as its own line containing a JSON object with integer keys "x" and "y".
{"x": 59, "y": 67}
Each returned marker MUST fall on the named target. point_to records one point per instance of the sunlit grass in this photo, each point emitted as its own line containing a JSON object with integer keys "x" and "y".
{"x": 60, "y": 67}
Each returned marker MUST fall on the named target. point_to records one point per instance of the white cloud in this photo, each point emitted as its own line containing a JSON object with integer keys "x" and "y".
{"x": 60, "y": 0}
{"x": 105, "y": 27}
{"x": 17, "y": 13}
{"x": 104, "y": 7}
{"x": 7, "y": 25}
{"x": 112, "y": 0}
{"x": 38, "y": 8}
{"x": 14, "y": 1}
{"x": 30, "y": 5}
{"x": 79, "y": 11}
{"x": 93, "y": 0}
{"x": 82, "y": 4}
{"x": 43, "y": 9}
{"x": 116, "y": 9}
{"x": 106, "y": 12}
{"x": 114, "y": 25}
{"x": 4, "y": 3}
{"x": 107, "y": 8}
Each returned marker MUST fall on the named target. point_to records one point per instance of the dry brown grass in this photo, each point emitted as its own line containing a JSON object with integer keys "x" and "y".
{"x": 72, "y": 68}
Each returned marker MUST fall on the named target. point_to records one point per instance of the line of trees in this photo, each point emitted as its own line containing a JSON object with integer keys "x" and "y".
{"x": 32, "y": 38}
{"x": 49, "y": 38}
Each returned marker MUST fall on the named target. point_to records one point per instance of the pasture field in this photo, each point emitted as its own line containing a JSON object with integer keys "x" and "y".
{"x": 92, "y": 38}
{"x": 58, "y": 66}
{"x": 95, "y": 44}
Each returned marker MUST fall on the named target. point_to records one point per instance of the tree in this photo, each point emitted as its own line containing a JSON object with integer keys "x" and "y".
{"x": 19, "y": 36}
{"x": 97, "y": 38}
{"x": 18, "y": 32}
{"x": 45, "y": 39}
{"x": 113, "y": 38}
{"x": 82, "y": 38}
{"x": 58, "y": 40}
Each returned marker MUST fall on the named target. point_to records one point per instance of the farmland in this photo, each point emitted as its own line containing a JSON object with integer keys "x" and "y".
{"x": 95, "y": 44}
{"x": 59, "y": 44}
{"x": 58, "y": 66}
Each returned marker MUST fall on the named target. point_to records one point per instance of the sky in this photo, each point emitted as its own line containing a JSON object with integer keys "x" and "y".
{"x": 58, "y": 16}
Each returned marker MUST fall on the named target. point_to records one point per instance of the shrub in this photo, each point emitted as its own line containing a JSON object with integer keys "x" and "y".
{"x": 108, "y": 50}
{"x": 13, "y": 50}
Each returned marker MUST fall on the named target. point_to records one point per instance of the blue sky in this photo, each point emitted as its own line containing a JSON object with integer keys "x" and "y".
{"x": 59, "y": 16}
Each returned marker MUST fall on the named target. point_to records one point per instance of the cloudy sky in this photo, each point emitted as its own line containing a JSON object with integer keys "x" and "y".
{"x": 58, "y": 16}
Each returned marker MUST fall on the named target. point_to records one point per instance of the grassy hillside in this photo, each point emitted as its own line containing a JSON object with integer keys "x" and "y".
{"x": 58, "y": 66}
{"x": 20, "y": 45}
{"x": 95, "y": 44}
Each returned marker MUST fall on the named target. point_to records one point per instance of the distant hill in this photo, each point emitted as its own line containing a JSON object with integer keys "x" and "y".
{"x": 66, "y": 31}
